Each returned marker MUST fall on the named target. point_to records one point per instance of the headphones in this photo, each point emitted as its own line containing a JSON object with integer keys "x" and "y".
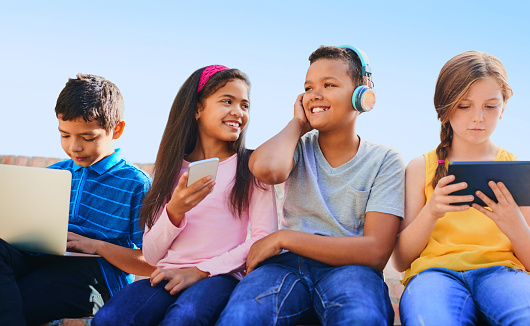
{"x": 363, "y": 98}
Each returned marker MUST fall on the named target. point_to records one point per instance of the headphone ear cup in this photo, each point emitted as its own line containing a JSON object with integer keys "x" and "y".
{"x": 363, "y": 99}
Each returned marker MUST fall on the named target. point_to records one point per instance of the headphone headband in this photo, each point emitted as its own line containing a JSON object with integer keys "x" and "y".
{"x": 365, "y": 63}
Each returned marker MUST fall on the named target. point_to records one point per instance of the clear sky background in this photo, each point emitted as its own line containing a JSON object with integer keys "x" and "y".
{"x": 148, "y": 49}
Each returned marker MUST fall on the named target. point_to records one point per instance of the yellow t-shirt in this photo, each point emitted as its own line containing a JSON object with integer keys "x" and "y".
{"x": 466, "y": 240}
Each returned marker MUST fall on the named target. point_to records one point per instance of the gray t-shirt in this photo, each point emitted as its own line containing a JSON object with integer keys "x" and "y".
{"x": 320, "y": 199}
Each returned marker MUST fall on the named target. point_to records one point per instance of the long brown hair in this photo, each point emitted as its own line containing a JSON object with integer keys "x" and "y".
{"x": 454, "y": 81}
{"x": 180, "y": 138}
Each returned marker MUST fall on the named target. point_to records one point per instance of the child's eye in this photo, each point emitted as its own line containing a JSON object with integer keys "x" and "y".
{"x": 307, "y": 89}
{"x": 64, "y": 136}
{"x": 491, "y": 106}
{"x": 329, "y": 85}
{"x": 245, "y": 106}
{"x": 463, "y": 107}
{"x": 227, "y": 101}
{"x": 90, "y": 139}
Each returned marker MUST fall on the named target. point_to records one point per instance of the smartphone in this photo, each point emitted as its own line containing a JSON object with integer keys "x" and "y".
{"x": 199, "y": 169}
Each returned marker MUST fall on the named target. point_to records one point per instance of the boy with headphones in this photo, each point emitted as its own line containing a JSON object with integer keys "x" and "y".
{"x": 343, "y": 204}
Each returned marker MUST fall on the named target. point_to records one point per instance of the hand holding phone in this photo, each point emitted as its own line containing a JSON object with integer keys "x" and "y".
{"x": 199, "y": 169}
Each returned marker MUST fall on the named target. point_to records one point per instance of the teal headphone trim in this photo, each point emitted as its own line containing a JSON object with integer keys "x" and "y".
{"x": 363, "y": 98}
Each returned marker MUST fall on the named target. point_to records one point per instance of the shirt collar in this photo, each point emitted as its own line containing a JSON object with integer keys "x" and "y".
{"x": 105, "y": 164}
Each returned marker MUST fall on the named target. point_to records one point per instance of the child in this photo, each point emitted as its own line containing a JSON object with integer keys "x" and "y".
{"x": 343, "y": 203}
{"x": 196, "y": 236}
{"x": 106, "y": 196}
{"x": 464, "y": 266}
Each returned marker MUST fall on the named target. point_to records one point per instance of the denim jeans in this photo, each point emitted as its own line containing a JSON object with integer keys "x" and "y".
{"x": 141, "y": 304}
{"x": 289, "y": 289}
{"x": 36, "y": 289}
{"x": 486, "y": 296}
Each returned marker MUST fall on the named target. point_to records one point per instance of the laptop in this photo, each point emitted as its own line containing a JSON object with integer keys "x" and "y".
{"x": 514, "y": 174}
{"x": 34, "y": 209}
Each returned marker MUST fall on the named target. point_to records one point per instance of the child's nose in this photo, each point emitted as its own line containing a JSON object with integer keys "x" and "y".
{"x": 478, "y": 114}
{"x": 75, "y": 146}
{"x": 237, "y": 112}
{"x": 315, "y": 95}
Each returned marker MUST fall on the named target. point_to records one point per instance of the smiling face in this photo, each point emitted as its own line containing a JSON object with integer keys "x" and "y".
{"x": 328, "y": 92}
{"x": 87, "y": 142}
{"x": 476, "y": 116}
{"x": 224, "y": 114}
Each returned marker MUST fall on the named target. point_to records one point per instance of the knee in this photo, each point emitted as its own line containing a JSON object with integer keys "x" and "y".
{"x": 104, "y": 316}
{"x": 238, "y": 313}
{"x": 354, "y": 316}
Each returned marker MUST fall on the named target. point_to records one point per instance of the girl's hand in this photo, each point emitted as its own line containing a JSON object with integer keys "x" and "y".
{"x": 179, "y": 279}
{"x": 79, "y": 243}
{"x": 505, "y": 213}
{"x": 299, "y": 114}
{"x": 262, "y": 249}
{"x": 185, "y": 198}
{"x": 440, "y": 201}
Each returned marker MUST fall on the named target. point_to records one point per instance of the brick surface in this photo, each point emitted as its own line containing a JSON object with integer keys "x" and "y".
{"x": 9, "y": 159}
{"x": 397, "y": 321}
{"x": 397, "y": 290}
{"x": 148, "y": 168}
{"x": 53, "y": 160}
{"x": 22, "y": 161}
{"x": 39, "y": 162}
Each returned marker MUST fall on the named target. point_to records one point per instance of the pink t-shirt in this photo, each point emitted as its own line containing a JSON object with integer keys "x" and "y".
{"x": 209, "y": 236}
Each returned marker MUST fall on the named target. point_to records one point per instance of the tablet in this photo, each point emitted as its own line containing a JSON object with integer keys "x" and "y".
{"x": 514, "y": 174}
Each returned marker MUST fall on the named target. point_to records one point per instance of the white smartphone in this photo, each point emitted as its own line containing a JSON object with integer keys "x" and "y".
{"x": 199, "y": 169}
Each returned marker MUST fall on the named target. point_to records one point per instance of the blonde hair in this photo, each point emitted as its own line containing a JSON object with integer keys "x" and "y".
{"x": 454, "y": 81}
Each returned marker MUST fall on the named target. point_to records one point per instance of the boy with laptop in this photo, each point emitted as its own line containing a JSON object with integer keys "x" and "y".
{"x": 106, "y": 196}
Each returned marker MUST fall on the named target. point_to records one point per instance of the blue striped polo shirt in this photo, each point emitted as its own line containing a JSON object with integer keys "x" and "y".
{"x": 105, "y": 204}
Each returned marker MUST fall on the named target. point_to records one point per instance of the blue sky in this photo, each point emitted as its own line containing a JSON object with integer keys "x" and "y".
{"x": 148, "y": 49}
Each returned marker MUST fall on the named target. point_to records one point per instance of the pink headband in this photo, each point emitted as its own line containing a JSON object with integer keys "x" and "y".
{"x": 207, "y": 73}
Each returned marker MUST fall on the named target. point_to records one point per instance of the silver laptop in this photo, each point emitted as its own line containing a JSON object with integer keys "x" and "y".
{"x": 34, "y": 208}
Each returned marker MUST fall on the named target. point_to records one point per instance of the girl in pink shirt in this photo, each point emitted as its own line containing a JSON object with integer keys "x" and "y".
{"x": 197, "y": 235}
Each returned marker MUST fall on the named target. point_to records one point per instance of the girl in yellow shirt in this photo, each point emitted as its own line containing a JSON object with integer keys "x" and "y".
{"x": 464, "y": 265}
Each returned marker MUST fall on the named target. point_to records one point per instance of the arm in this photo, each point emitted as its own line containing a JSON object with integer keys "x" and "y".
{"x": 420, "y": 217}
{"x": 372, "y": 249}
{"x": 127, "y": 259}
{"x": 511, "y": 219}
{"x": 263, "y": 221}
{"x": 272, "y": 162}
{"x": 172, "y": 220}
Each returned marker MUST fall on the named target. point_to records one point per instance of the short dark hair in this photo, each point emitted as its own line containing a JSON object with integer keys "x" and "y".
{"x": 90, "y": 97}
{"x": 347, "y": 55}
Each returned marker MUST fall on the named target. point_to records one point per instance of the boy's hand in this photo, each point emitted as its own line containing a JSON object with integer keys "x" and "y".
{"x": 179, "y": 279}
{"x": 79, "y": 243}
{"x": 440, "y": 202}
{"x": 262, "y": 249}
{"x": 299, "y": 114}
{"x": 185, "y": 198}
{"x": 505, "y": 213}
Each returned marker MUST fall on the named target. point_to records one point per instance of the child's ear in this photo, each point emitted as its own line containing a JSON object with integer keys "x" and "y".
{"x": 118, "y": 130}
{"x": 200, "y": 108}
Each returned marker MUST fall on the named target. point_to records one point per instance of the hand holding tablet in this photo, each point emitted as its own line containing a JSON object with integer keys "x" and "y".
{"x": 514, "y": 174}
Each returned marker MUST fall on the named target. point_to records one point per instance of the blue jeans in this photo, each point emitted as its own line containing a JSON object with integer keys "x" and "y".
{"x": 141, "y": 304}
{"x": 493, "y": 295}
{"x": 289, "y": 289}
{"x": 36, "y": 289}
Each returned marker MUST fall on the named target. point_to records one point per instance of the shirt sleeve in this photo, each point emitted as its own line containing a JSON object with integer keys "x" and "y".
{"x": 136, "y": 230}
{"x": 388, "y": 191}
{"x": 159, "y": 238}
{"x": 263, "y": 221}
